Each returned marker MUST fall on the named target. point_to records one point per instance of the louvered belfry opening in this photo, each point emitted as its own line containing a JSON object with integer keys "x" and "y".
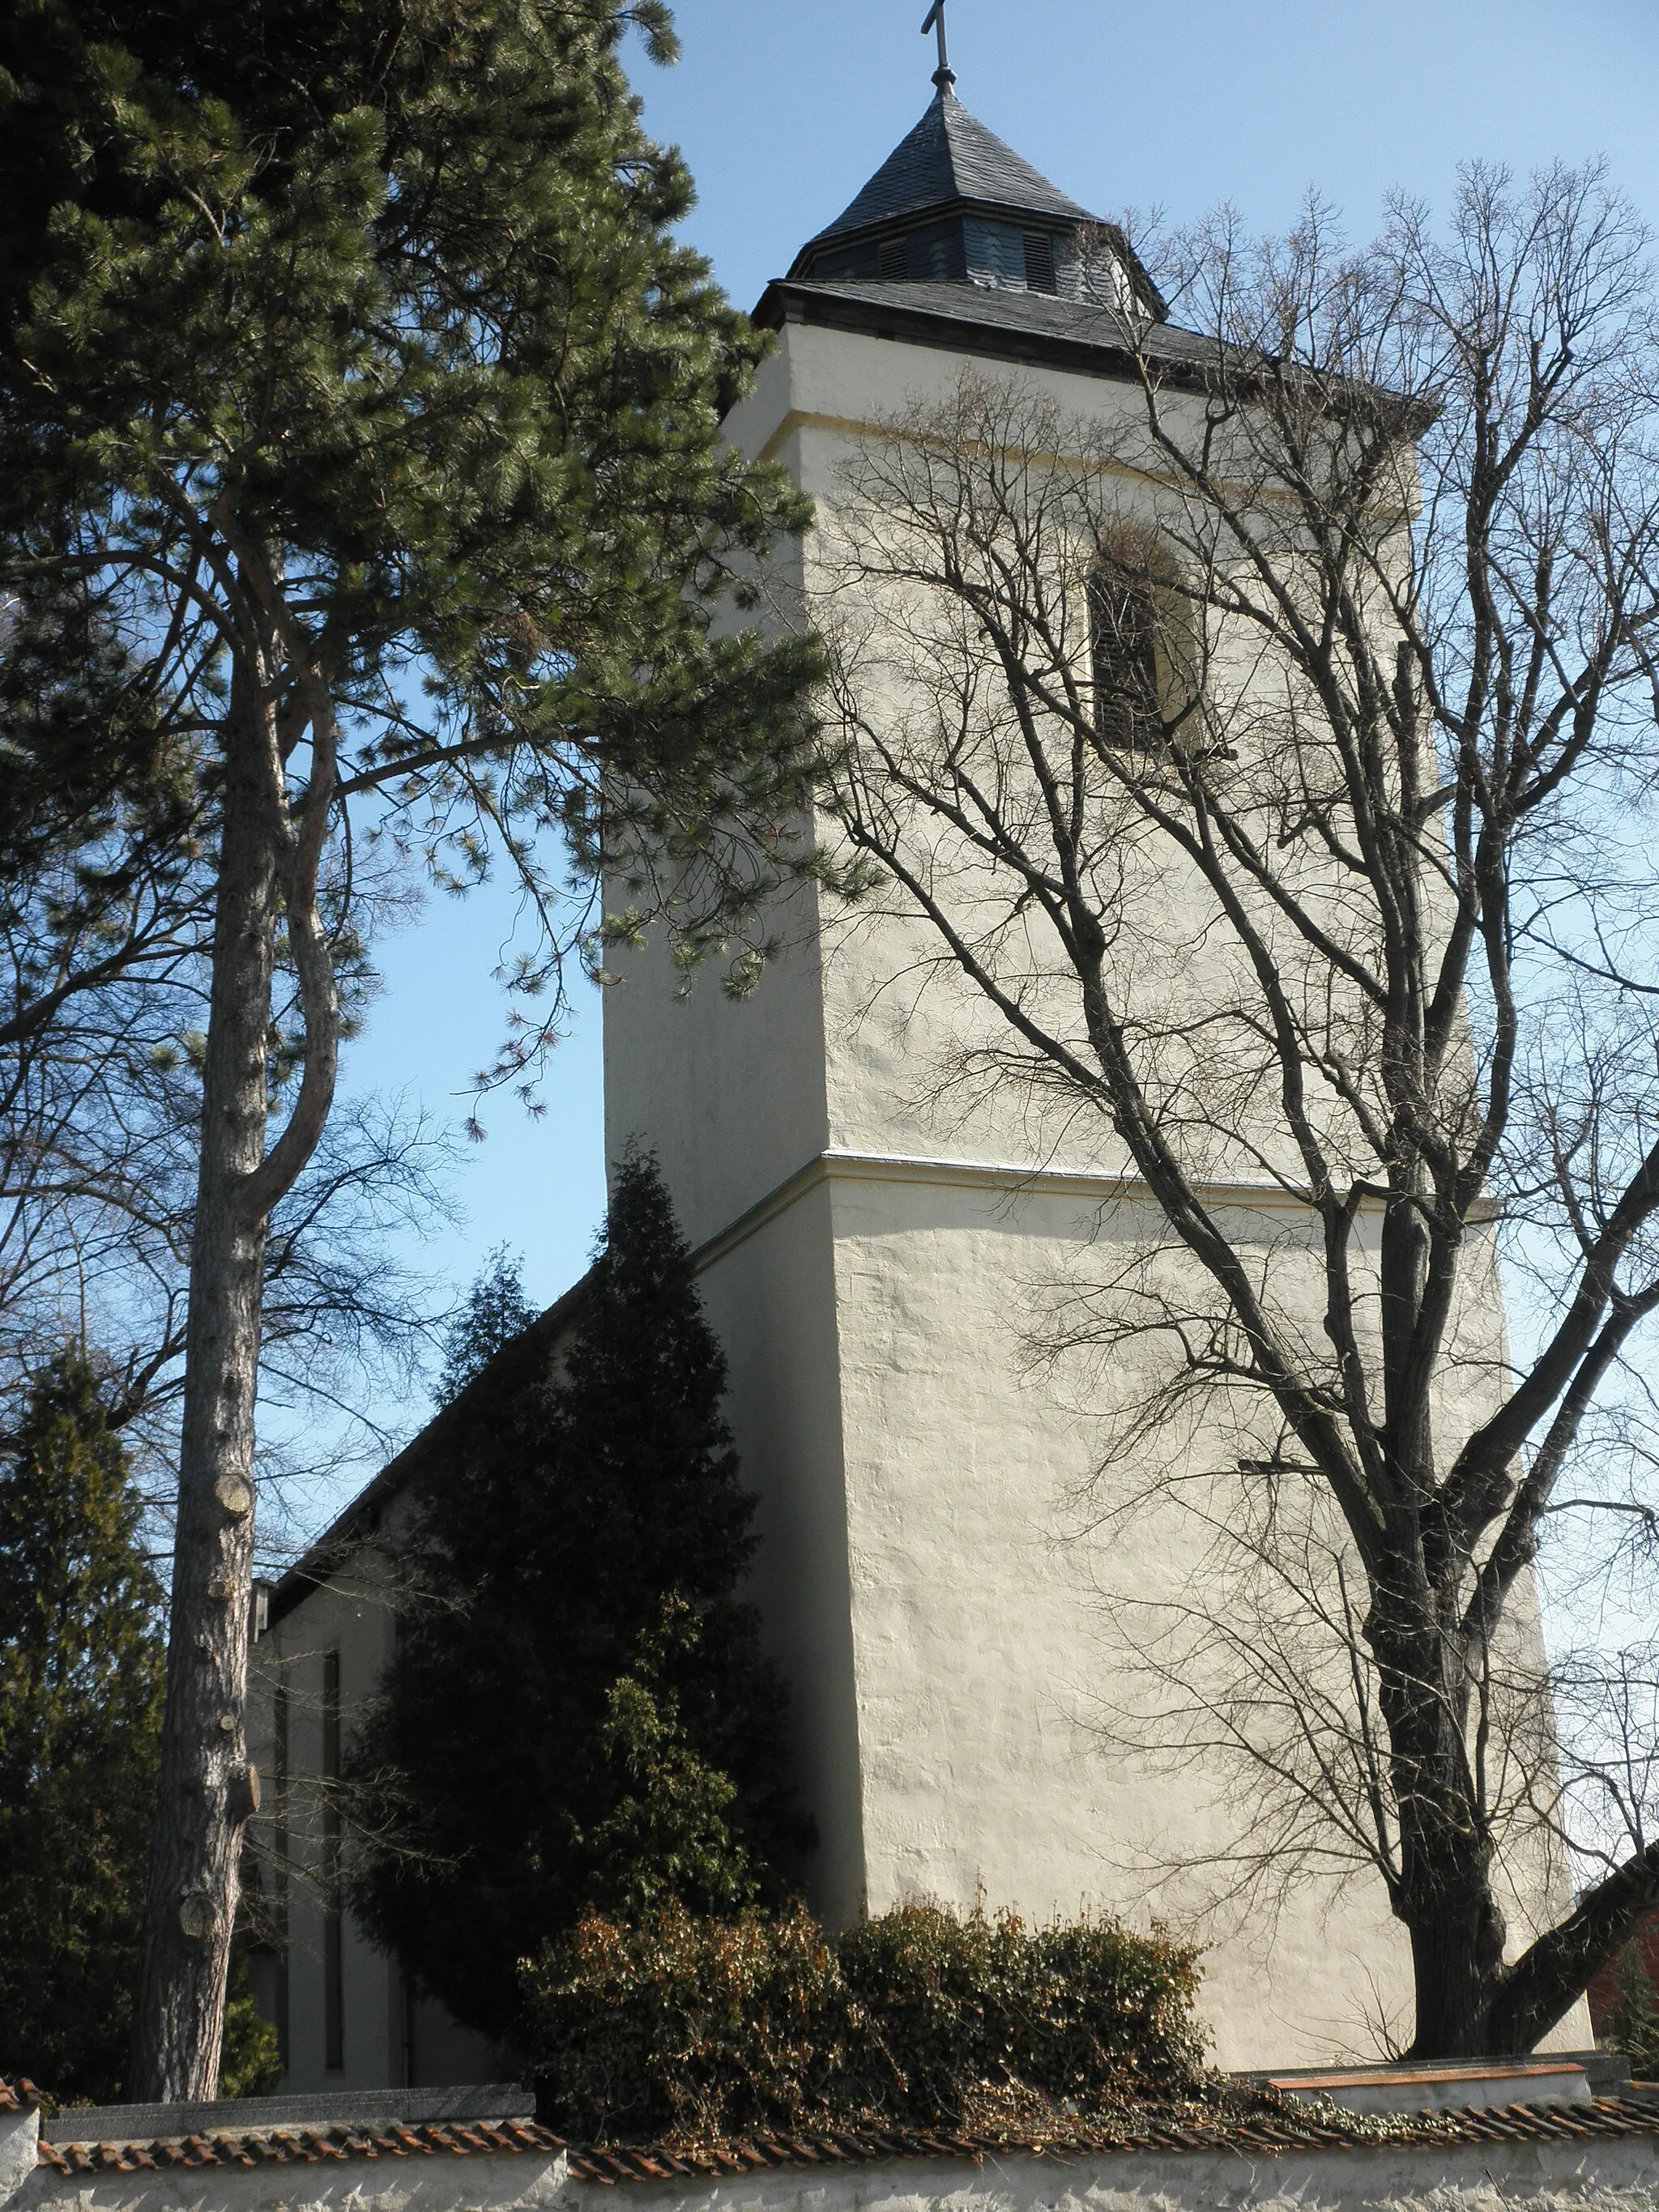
{"x": 1040, "y": 262}
{"x": 1124, "y": 658}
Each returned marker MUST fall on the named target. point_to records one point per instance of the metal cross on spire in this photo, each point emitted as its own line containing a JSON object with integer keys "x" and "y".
{"x": 944, "y": 77}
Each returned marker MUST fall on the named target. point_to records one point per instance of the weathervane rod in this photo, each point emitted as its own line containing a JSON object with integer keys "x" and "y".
{"x": 944, "y": 74}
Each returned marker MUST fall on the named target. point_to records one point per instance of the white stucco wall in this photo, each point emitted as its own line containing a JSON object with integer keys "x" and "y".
{"x": 1624, "y": 2176}
{"x": 391, "y": 2038}
{"x": 985, "y": 1773}
{"x": 500, "y": 2183}
{"x": 731, "y": 1094}
{"x": 875, "y": 1246}
{"x": 770, "y": 1296}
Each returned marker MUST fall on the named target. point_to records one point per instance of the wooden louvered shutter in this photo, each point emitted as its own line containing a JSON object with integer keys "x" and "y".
{"x": 1123, "y": 641}
{"x": 1039, "y": 262}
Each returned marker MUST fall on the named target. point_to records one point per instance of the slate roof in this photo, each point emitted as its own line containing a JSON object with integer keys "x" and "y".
{"x": 982, "y": 319}
{"x": 1274, "y": 2133}
{"x": 951, "y": 157}
{"x": 522, "y": 1360}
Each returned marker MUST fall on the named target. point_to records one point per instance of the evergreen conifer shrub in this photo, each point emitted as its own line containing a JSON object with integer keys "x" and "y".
{"x": 82, "y": 1630}
{"x": 579, "y": 1715}
{"x": 678, "y": 2025}
{"x": 493, "y": 1312}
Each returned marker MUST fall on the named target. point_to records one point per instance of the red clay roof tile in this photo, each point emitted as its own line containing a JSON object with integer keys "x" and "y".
{"x": 1272, "y": 2135}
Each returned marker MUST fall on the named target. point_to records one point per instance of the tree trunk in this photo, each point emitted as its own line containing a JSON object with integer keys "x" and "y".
{"x": 207, "y": 1789}
{"x": 1457, "y": 1953}
{"x": 1445, "y": 1895}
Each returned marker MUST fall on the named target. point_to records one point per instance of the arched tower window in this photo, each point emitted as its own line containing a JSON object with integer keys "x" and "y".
{"x": 1139, "y": 644}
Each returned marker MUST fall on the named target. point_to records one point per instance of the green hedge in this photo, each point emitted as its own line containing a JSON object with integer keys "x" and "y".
{"x": 681, "y": 2026}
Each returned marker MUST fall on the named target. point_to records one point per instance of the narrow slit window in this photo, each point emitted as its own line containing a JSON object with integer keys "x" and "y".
{"x": 333, "y": 1887}
{"x": 281, "y": 1850}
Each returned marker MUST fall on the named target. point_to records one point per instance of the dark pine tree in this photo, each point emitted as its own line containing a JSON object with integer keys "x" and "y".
{"x": 360, "y": 460}
{"x": 82, "y": 1659}
{"x": 82, "y": 1654}
{"x": 579, "y": 1712}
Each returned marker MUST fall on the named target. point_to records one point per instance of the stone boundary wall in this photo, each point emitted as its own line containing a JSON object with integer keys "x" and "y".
{"x": 18, "y": 2158}
{"x": 1602, "y": 2156}
{"x": 1621, "y": 2177}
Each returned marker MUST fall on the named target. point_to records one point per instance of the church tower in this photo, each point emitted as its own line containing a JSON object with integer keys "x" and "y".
{"x": 870, "y": 1245}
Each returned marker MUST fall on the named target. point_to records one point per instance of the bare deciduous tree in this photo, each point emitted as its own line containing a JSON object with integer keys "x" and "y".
{"x": 103, "y": 997}
{"x": 1270, "y": 745}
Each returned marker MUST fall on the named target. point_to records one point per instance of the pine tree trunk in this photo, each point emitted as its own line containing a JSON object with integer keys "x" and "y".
{"x": 206, "y": 1790}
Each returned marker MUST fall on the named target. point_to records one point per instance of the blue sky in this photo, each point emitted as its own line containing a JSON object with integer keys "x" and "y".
{"x": 783, "y": 108}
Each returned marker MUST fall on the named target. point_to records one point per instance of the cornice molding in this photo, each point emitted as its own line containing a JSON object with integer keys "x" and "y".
{"x": 1009, "y": 1178}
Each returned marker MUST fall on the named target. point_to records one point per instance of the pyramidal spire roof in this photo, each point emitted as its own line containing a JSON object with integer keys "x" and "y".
{"x": 953, "y": 207}
{"x": 952, "y": 156}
